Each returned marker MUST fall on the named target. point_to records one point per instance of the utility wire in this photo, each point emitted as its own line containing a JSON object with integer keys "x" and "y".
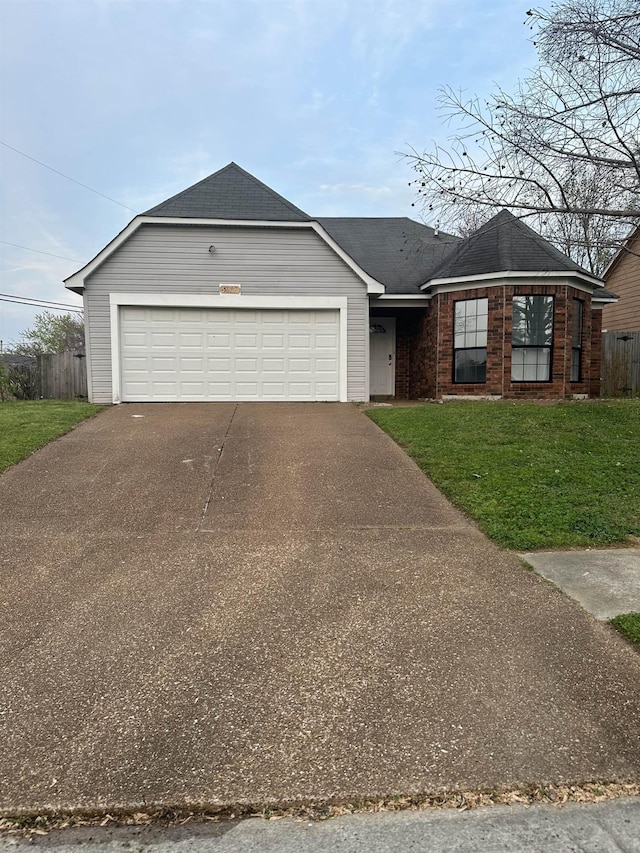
{"x": 39, "y": 303}
{"x": 40, "y": 252}
{"x": 51, "y": 169}
{"x": 36, "y": 299}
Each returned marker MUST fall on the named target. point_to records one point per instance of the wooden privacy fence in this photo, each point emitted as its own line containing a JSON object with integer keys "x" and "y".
{"x": 62, "y": 376}
{"x": 620, "y": 364}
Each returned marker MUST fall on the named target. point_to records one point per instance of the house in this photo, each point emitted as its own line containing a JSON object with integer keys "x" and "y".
{"x": 227, "y": 291}
{"x": 623, "y": 277}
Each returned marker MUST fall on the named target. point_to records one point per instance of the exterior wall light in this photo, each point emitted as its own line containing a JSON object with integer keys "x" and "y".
{"x": 212, "y": 249}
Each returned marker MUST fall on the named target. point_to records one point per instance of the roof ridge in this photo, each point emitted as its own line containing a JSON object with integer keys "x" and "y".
{"x": 268, "y": 188}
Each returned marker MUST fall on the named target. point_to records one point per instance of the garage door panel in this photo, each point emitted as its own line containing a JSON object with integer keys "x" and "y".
{"x": 191, "y": 340}
{"x": 188, "y": 364}
{"x": 228, "y": 354}
{"x": 244, "y": 341}
{"x": 326, "y": 342}
{"x": 271, "y": 365}
{"x": 218, "y": 341}
{"x": 218, "y": 365}
{"x": 161, "y": 340}
{"x": 300, "y": 342}
{"x": 271, "y": 341}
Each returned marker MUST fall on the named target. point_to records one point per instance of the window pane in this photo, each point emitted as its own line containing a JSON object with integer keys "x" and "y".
{"x": 532, "y": 320}
{"x": 530, "y": 364}
{"x": 575, "y": 365}
{"x": 576, "y": 324}
{"x": 470, "y": 329}
{"x": 471, "y": 365}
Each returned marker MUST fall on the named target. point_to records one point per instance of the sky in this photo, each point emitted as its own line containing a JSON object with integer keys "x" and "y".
{"x": 139, "y": 99}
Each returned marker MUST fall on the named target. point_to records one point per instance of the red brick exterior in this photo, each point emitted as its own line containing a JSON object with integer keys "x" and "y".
{"x": 424, "y": 346}
{"x": 594, "y": 366}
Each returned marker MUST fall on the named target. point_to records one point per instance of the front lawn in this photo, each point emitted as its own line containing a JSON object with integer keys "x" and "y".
{"x": 533, "y": 476}
{"x": 629, "y": 625}
{"x": 26, "y": 426}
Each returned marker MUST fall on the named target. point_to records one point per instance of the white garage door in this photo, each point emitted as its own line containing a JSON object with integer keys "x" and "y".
{"x": 221, "y": 354}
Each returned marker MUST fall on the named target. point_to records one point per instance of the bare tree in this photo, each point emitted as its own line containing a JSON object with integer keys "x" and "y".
{"x": 564, "y": 149}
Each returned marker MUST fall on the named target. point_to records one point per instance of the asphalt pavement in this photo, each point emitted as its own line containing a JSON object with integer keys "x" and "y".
{"x": 212, "y": 604}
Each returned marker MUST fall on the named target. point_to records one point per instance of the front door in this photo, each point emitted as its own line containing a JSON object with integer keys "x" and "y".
{"x": 382, "y": 356}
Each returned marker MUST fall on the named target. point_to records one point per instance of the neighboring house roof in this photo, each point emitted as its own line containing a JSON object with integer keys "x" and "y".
{"x": 230, "y": 193}
{"x": 396, "y": 251}
{"x": 504, "y": 244}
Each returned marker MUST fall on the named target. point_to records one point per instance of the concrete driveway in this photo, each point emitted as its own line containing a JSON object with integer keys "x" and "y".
{"x": 218, "y": 603}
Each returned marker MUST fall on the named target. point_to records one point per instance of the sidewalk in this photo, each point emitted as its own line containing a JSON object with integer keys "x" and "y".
{"x": 593, "y": 827}
{"x": 605, "y": 582}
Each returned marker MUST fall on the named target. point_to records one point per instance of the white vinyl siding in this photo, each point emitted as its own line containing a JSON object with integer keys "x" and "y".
{"x": 263, "y": 261}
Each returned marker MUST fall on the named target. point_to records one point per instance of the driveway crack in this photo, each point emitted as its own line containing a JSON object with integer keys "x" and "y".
{"x": 215, "y": 465}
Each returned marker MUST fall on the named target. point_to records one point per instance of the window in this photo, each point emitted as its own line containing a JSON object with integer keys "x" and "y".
{"x": 470, "y": 340}
{"x": 576, "y": 340}
{"x": 531, "y": 339}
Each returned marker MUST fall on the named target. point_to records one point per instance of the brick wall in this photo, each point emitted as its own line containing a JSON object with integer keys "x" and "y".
{"x": 593, "y": 366}
{"x": 432, "y": 356}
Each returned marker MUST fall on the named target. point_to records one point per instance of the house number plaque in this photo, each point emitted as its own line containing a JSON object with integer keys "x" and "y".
{"x": 230, "y": 288}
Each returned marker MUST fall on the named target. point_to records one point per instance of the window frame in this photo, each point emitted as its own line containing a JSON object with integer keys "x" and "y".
{"x": 456, "y": 349}
{"x": 549, "y": 346}
{"x": 577, "y": 304}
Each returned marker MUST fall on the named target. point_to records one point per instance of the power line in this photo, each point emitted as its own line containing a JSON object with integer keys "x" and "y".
{"x": 29, "y": 249}
{"x": 80, "y": 184}
{"x": 39, "y": 303}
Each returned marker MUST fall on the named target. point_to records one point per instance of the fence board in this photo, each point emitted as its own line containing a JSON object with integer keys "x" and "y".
{"x": 63, "y": 376}
{"x": 620, "y": 364}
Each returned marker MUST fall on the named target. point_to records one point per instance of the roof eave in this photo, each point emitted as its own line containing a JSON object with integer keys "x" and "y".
{"x": 468, "y": 279}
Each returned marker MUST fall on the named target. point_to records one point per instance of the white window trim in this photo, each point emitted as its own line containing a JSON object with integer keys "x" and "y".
{"x": 195, "y": 300}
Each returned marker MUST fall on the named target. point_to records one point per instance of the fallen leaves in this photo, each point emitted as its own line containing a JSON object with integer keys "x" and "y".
{"x": 462, "y": 801}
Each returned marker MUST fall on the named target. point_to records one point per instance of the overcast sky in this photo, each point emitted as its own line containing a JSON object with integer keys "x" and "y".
{"x": 139, "y": 99}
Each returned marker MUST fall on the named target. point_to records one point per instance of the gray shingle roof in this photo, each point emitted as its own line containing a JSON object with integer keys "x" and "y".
{"x": 504, "y": 244}
{"x": 601, "y": 293}
{"x": 230, "y": 193}
{"x": 396, "y": 251}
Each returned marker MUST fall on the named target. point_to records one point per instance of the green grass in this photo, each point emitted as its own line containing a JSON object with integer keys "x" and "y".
{"x": 532, "y": 476}
{"x": 26, "y": 426}
{"x": 629, "y": 625}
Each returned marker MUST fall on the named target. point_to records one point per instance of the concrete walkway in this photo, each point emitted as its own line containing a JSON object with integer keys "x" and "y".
{"x": 605, "y": 582}
{"x": 217, "y": 604}
{"x": 608, "y": 827}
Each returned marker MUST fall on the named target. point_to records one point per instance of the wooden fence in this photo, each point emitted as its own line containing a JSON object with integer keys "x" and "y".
{"x": 620, "y": 364}
{"x": 62, "y": 376}
{"x": 59, "y": 376}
